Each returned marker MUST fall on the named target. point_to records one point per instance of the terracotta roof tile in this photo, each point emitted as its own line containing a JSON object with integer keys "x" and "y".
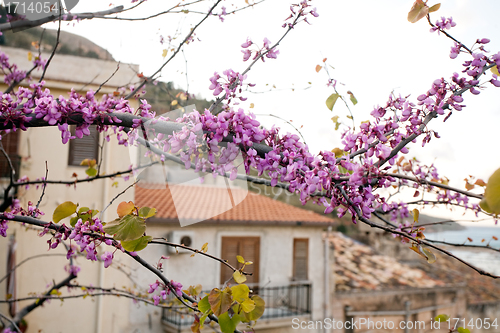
{"x": 217, "y": 204}
{"x": 358, "y": 267}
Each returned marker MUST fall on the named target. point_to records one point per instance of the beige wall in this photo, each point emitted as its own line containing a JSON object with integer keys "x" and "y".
{"x": 37, "y": 146}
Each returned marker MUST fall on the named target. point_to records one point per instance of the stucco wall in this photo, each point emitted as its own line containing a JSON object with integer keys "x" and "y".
{"x": 38, "y": 146}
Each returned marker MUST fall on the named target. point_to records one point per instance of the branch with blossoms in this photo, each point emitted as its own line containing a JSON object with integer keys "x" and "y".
{"x": 209, "y": 143}
{"x": 234, "y": 80}
{"x": 88, "y": 237}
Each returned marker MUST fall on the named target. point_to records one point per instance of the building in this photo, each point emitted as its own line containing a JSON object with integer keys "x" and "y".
{"x": 286, "y": 245}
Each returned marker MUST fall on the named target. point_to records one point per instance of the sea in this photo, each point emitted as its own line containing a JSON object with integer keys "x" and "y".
{"x": 486, "y": 259}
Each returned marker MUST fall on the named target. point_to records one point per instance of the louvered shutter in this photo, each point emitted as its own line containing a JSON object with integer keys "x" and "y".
{"x": 248, "y": 248}
{"x": 300, "y": 258}
{"x": 86, "y": 147}
{"x": 10, "y": 143}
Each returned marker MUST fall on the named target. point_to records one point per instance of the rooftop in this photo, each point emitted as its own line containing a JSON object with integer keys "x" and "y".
{"x": 221, "y": 205}
{"x": 359, "y": 267}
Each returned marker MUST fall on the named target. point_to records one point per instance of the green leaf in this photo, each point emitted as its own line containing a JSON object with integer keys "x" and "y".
{"x": 330, "y": 101}
{"x": 83, "y": 210}
{"x": 127, "y": 228}
{"x": 463, "y": 330}
{"x": 238, "y": 277}
{"x": 227, "y": 324}
{"x": 240, "y": 292}
{"x": 435, "y": 8}
{"x": 64, "y": 210}
{"x": 73, "y": 221}
{"x": 203, "y": 318}
{"x": 91, "y": 172}
{"x": 491, "y": 201}
{"x": 146, "y": 212}
{"x": 240, "y": 259}
{"x": 203, "y": 305}
{"x": 352, "y": 98}
{"x": 258, "y": 311}
{"x": 442, "y": 318}
{"x": 136, "y": 244}
{"x": 220, "y": 300}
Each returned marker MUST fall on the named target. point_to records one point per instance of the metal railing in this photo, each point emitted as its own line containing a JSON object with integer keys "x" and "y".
{"x": 281, "y": 301}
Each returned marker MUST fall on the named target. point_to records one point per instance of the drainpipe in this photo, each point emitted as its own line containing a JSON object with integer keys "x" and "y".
{"x": 326, "y": 279}
{"x": 100, "y": 269}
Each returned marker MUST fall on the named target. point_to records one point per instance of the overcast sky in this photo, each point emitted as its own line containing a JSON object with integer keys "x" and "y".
{"x": 371, "y": 45}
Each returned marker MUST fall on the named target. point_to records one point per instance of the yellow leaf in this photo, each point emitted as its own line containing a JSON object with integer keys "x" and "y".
{"x": 494, "y": 70}
{"x": 88, "y": 162}
{"x": 418, "y": 11}
{"x": 164, "y": 54}
{"x": 416, "y": 214}
{"x": 240, "y": 292}
{"x": 491, "y": 199}
{"x": 248, "y": 306}
{"x": 125, "y": 208}
{"x": 174, "y": 102}
{"x": 435, "y": 8}
{"x": 425, "y": 252}
{"x": 240, "y": 259}
{"x": 338, "y": 152}
{"x": 204, "y": 248}
{"x": 251, "y": 105}
{"x": 238, "y": 277}
{"x": 64, "y": 210}
{"x": 330, "y": 101}
{"x": 30, "y": 56}
{"x": 220, "y": 300}
{"x": 115, "y": 184}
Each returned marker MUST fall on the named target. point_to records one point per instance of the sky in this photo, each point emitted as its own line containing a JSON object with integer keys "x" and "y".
{"x": 372, "y": 47}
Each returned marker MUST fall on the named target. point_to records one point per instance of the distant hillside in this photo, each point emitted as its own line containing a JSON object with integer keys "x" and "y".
{"x": 163, "y": 97}
{"x": 69, "y": 43}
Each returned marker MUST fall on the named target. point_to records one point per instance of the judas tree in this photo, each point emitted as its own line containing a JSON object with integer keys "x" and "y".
{"x": 360, "y": 178}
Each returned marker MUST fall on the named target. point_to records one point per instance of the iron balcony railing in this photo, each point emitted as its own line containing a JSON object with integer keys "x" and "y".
{"x": 281, "y": 301}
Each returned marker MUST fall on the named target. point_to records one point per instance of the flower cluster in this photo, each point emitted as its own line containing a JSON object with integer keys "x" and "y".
{"x": 175, "y": 286}
{"x": 445, "y": 23}
{"x": 299, "y": 13}
{"x": 271, "y": 53}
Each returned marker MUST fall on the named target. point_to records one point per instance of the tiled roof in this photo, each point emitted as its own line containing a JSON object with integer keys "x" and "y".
{"x": 359, "y": 267}
{"x": 219, "y": 205}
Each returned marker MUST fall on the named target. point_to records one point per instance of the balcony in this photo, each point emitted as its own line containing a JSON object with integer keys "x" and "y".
{"x": 282, "y": 302}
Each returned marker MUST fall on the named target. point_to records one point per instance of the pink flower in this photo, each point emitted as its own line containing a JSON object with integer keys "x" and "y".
{"x": 107, "y": 257}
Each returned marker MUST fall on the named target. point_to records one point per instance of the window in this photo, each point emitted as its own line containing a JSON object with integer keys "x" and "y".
{"x": 248, "y": 248}
{"x": 300, "y": 258}
{"x": 86, "y": 147}
{"x": 10, "y": 142}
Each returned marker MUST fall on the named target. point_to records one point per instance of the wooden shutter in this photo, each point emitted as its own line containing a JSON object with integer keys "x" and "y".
{"x": 300, "y": 258}
{"x": 10, "y": 143}
{"x": 248, "y": 248}
{"x": 86, "y": 147}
